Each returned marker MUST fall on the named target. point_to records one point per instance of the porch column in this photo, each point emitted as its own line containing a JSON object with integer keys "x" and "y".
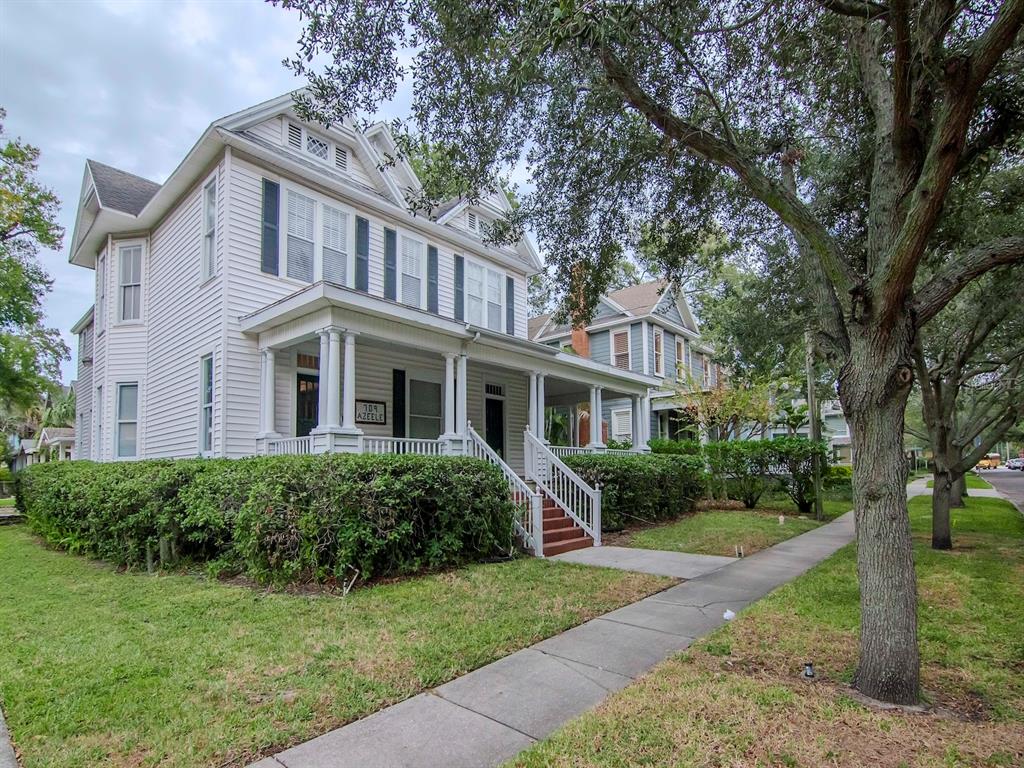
{"x": 645, "y": 423}
{"x": 349, "y": 389}
{"x": 460, "y": 397}
{"x": 267, "y": 405}
{"x": 333, "y": 379}
{"x": 449, "y": 393}
{"x": 638, "y": 419}
{"x": 531, "y": 416}
{"x": 325, "y": 355}
{"x": 540, "y": 407}
{"x": 595, "y": 418}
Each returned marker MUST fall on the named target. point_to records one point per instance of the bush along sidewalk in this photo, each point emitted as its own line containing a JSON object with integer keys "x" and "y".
{"x": 276, "y": 519}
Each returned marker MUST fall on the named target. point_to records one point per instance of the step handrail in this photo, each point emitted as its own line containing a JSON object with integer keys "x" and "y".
{"x": 529, "y": 520}
{"x": 567, "y": 489}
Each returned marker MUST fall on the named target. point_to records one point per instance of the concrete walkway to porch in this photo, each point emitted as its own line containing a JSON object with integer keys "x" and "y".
{"x": 489, "y": 715}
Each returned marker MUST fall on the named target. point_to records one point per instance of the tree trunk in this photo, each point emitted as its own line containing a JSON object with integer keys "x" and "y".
{"x": 874, "y": 385}
{"x": 943, "y": 494}
{"x": 956, "y": 498}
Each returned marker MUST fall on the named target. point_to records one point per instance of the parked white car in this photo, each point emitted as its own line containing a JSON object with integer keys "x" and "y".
{"x": 1015, "y": 464}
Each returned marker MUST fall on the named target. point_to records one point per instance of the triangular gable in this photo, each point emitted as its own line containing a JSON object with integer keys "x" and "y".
{"x": 673, "y": 306}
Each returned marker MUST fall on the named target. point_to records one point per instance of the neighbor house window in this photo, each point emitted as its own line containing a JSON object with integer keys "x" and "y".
{"x": 680, "y": 358}
{"x": 130, "y": 282}
{"x": 659, "y": 352}
{"x": 127, "y": 420}
{"x": 209, "y": 228}
{"x": 622, "y": 424}
{"x": 301, "y": 212}
{"x": 484, "y": 297}
{"x": 620, "y": 350}
{"x": 706, "y": 365}
{"x": 412, "y": 282}
{"x": 206, "y": 404}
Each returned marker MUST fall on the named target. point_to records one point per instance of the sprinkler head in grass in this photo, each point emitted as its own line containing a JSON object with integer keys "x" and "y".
{"x": 782, "y": 519}
{"x": 808, "y": 670}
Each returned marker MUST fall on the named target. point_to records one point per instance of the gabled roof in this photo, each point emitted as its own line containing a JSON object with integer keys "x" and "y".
{"x": 639, "y": 299}
{"x": 119, "y": 189}
{"x": 535, "y": 324}
{"x": 56, "y": 435}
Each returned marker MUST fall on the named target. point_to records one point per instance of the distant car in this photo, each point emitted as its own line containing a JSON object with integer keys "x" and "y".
{"x": 1015, "y": 464}
{"x": 991, "y": 461}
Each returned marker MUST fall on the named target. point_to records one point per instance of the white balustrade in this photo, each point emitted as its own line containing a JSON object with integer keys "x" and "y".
{"x": 290, "y": 446}
{"x": 568, "y": 490}
{"x": 400, "y": 445}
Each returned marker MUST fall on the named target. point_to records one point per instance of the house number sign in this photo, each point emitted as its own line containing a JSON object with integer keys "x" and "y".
{"x": 371, "y": 412}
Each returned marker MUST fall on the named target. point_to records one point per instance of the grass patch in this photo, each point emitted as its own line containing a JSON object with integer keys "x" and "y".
{"x": 8, "y": 502}
{"x": 125, "y": 669}
{"x": 972, "y": 481}
{"x": 718, "y": 531}
{"x": 736, "y": 697}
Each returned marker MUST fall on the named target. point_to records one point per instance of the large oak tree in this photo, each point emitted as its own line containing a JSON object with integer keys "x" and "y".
{"x": 844, "y": 121}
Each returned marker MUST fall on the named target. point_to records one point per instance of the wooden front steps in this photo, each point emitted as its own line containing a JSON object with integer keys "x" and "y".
{"x": 561, "y": 534}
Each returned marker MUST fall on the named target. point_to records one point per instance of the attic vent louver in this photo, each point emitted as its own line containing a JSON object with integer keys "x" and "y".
{"x": 471, "y": 220}
{"x": 295, "y": 135}
{"x": 341, "y": 158}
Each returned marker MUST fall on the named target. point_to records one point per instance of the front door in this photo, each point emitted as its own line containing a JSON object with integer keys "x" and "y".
{"x": 494, "y": 424}
{"x": 307, "y": 403}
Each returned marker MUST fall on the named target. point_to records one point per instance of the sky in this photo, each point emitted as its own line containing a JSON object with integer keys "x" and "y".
{"x": 133, "y": 84}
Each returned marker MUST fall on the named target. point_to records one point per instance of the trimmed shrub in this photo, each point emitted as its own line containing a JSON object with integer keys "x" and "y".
{"x": 674, "y": 447}
{"x": 792, "y": 464}
{"x": 641, "y": 488}
{"x": 738, "y": 469}
{"x": 276, "y": 518}
{"x": 838, "y": 478}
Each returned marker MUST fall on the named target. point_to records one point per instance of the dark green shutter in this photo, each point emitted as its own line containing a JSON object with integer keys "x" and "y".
{"x": 460, "y": 277}
{"x": 390, "y": 264}
{"x": 398, "y": 403}
{"x": 432, "y": 279}
{"x": 270, "y": 243}
{"x": 510, "y": 306}
{"x": 362, "y": 255}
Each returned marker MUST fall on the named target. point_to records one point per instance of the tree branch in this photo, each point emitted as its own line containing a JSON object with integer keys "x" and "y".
{"x": 861, "y": 9}
{"x": 944, "y": 286}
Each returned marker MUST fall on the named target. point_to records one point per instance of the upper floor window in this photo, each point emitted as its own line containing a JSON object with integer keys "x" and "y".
{"x": 323, "y": 149}
{"x": 412, "y": 268}
{"x": 101, "y": 294}
{"x": 300, "y": 227}
{"x": 335, "y": 246}
{"x": 126, "y": 443}
{"x": 706, "y": 365}
{"x": 680, "y": 357}
{"x": 659, "y": 352}
{"x": 209, "y": 228}
{"x": 206, "y": 404}
{"x": 620, "y": 349}
{"x": 130, "y": 282}
{"x": 484, "y": 297}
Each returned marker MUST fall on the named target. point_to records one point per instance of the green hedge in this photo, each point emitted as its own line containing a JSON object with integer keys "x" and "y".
{"x": 281, "y": 518}
{"x": 641, "y": 488}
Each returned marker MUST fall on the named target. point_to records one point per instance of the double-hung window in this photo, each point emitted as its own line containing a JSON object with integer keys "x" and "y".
{"x": 680, "y": 358}
{"x": 335, "y": 244}
{"x": 130, "y": 282}
{"x": 485, "y": 299}
{"x": 299, "y": 245}
{"x": 622, "y": 425}
{"x": 413, "y": 284}
{"x": 209, "y": 228}
{"x": 126, "y": 443}
{"x": 206, "y": 404}
{"x": 706, "y": 365}
{"x": 101, "y": 294}
{"x": 620, "y": 349}
{"x": 659, "y": 352}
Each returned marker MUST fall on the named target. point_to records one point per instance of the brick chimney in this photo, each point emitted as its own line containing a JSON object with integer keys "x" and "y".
{"x": 581, "y": 341}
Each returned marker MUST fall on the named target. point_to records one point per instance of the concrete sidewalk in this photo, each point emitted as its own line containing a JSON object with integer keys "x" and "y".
{"x": 489, "y": 715}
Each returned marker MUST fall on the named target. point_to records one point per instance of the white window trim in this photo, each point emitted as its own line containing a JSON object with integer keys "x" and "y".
{"x": 626, "y": 413}
{"x": 203, "y": 406}
{"x": 400, "y": 234}
{"x": 208, "y": 261}
{"x": 332, "y": 147}
{"x": 318, "y": 234}
{"x": 659, "y": 361}
{"x": 118, "y": 421}
{"x": 502, "y": 293}
{"x": 101, "y": 293}
{"x": 118, "y": 247}
{"x": 629, "y": 349}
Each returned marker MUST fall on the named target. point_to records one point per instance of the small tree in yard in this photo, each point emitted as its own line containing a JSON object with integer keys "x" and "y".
{"x": 791, "y": 461}
{"x": 847, "y": 122}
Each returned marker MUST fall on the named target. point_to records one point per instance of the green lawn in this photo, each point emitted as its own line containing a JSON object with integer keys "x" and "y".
{"x": 8, "y": 502}
{"x": 736, "y": 697}
{"x": 719, "y": 531}
{"x": 124, "y": 669}
{"x": 973, "y": 481}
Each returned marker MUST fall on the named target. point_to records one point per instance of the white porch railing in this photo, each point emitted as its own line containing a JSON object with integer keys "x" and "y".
{"x": 569, "y": 450}
{"x": 568, "y": 490}
{"x": 294, "y": 446}
{"x": 416, "y": 445}
{"x": 529, "y": 520}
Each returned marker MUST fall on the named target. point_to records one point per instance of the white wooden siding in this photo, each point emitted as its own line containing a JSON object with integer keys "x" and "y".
{"x": 84, "y": 393}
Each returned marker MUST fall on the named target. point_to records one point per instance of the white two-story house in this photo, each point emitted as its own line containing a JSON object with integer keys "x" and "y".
{"x": 647, "y": 329}
{"x": 276, "y": 295}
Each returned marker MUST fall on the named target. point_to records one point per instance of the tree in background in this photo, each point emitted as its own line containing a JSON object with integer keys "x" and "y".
{"x": 846, "y": 122}
{"x": 30, "y": 355}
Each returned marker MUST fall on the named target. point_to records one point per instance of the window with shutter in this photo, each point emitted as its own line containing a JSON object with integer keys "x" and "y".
{"x": 270, "y": 239}
{"x": 412, "y": 272}
{"x": 474, "y": 294}
{"x": 620, "y": 350}
{"x": 484, "y": 296}
{"x": 335, "y": 244}
{"x": 494, "y": 286}
{"x": 301, "y": 212}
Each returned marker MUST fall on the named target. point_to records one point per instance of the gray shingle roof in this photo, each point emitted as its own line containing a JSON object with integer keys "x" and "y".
{"x": 121, "y": 190}
{"x": 534, "y": 324}
{"x": 639, "y": 299}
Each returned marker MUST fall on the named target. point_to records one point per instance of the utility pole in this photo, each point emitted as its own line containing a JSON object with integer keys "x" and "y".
{"x": 812, "y": 409}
